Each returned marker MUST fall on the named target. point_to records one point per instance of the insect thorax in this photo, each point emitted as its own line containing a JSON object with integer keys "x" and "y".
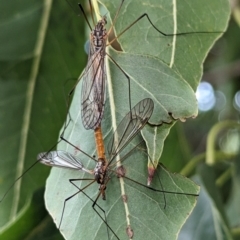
{"x": 99, "y": 35}
{"x": 99, "y": 171}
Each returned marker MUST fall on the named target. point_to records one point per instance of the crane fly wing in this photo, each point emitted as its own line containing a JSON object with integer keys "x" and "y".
{"x": 130, "y": 126}
{"x": 93, "y": 88}
{"x": 61, "y": 159}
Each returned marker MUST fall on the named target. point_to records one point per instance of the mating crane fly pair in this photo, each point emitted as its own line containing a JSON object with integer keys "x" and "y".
{"x": 105, "y": 169}
{"x": 128, "y": 128}
{"x": 93, "y": 101}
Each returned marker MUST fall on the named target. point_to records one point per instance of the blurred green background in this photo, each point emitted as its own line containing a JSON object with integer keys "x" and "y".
{"x": 192, "y": 141}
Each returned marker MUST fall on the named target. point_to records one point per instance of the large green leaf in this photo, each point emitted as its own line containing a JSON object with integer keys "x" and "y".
{"x": 32, "y": 79}
{"x": 146, "y": 214}
{"x": 172, "y": 95}
{"x": 206, "y": 212}
{"x": 172, "y": 86}
{"x": 183, "y": 53}
{"x": 232, "y": 210}
{"x": 170, "y": 78}
{"x": 31, "y": 222}
{"x": 60, "y": 59}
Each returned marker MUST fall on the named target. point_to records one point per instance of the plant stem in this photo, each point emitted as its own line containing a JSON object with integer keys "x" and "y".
{"x": 210, "y": 152}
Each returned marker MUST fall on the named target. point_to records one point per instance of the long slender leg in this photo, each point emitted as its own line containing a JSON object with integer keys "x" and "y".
{"x": 162, "y": 191}
{"x": 128, "y": 79}
{"x": 104, "y": 219}
{"x": 164, "y": 34}
{"x": 70, "y": 197}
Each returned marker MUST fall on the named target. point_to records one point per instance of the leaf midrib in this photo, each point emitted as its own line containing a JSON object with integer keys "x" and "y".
{"x": 38, "y": 49}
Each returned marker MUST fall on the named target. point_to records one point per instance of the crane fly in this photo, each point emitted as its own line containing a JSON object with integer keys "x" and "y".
{"x": 105, "y": 168}
{"x": 94, "y": 76}
{"x": 129, "y": 127}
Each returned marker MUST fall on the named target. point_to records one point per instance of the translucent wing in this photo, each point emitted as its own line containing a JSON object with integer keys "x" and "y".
{"x": 93, "y": 88}
{"x": 130, "y": 126}
{"x": 61, "y": 159}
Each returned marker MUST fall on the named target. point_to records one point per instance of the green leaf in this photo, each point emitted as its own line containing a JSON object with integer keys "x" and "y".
{"x": 146, "y": 214}
{"x": 29, "y": 221}
{"x": 183, "y": 53}
{"x": 61, "y": 59}
{"x": 173, "y": 93}
{"x": 154, "y": 146}
{"x": 232, "y": 210}
{"x": 46, "y": 230}
{"x": 33, "y": 106}
{"x": 213, "y": 225}
{"x": 176, "y": 160}
{"x": 172, "y": 88}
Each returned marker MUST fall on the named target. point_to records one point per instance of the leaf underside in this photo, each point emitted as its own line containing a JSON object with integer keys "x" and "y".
{"x": 162, "y": 68}
{"x": 170, "y": 79}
